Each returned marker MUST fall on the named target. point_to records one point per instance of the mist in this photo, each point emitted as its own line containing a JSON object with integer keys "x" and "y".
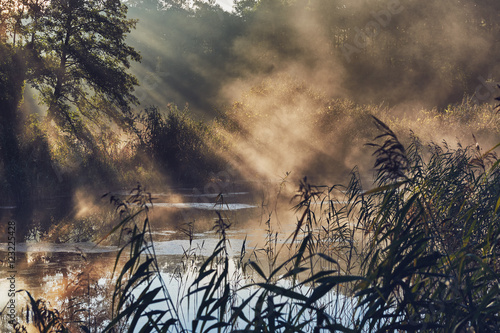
{"x": 276, "y": 89}
{"x": 395, "y": 58}
{"x": 397, "y": 52}
{"x": 253, "y": 127}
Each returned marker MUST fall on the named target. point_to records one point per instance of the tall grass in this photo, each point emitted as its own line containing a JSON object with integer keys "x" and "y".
{"x": 419, "y": 251}
{"x": 433, "y": 262}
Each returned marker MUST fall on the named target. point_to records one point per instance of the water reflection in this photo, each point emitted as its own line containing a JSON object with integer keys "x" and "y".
{"x": 76, "y": 278}
{"x": 77, "y": 284}
{"x": 206, "y": 206}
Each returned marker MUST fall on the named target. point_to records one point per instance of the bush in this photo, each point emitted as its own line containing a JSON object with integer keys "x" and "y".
{"x": 178, "y": 145}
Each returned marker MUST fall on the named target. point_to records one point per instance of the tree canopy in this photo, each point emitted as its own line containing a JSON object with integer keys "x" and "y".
{"x": 76, "y": 57}
{"x": 75, "y": 54}
{"x": 398, "y": 51}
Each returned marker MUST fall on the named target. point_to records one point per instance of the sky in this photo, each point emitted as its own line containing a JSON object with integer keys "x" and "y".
{"x": 227, "y": 5}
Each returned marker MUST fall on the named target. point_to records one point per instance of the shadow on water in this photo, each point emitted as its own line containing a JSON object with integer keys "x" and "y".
{"x": 33, "y": 215}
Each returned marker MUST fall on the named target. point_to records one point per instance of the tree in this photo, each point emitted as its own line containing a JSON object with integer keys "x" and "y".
{"x": 244, "y": 7}
{"x": 75, "y": 54}
{"x": 81, "y": 63}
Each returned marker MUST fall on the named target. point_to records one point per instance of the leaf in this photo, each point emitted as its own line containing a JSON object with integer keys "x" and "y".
{"x": 386, "y": 187}
{"x": 85, "y": 329}
{"x": 283, "y": 291}
{"x": 257, "y": 269}
{"x": 497, "y": 205}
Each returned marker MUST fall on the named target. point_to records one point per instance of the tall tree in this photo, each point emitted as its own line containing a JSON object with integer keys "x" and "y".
{"x": 83, "y": 58}
{"x": 75, "y": 54}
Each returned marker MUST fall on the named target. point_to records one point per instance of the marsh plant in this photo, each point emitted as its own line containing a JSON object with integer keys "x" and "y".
{"x": 418, "y": 251}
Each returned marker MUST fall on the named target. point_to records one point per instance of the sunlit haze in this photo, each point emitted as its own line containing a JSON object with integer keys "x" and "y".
{"x": 227, "y": 5}
{"x": 298, "y": 165}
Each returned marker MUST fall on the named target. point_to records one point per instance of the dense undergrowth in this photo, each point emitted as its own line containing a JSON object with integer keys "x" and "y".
{"x": 419, "y": 251}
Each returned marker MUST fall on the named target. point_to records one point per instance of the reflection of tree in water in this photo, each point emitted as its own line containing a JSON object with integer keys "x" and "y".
{"x": 79, "y": 288}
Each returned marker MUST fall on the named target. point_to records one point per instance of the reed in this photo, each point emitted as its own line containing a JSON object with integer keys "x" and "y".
{"x": 419, "y": 251}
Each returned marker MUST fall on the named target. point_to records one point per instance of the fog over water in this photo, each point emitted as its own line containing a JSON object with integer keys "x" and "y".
{"x": 243, "y": 108}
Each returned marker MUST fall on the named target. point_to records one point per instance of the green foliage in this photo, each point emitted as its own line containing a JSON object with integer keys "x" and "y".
{"x": 434, "y": 258}
{"x": 178, "y": 145}
{"x": 245, "y": 7}
{"x": 74, "y": 53}
{"x": 193, "y": 52}
{"x": 82, "y": 62}
{"x": 186, "y": 49}
{"x": 12, "y": 76}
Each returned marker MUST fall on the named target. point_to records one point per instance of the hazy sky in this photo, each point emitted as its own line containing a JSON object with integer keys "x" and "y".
{"x": 226, "y": 4}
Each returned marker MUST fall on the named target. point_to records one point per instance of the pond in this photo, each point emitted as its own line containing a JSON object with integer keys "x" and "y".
{"x": 77, "y": 278}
